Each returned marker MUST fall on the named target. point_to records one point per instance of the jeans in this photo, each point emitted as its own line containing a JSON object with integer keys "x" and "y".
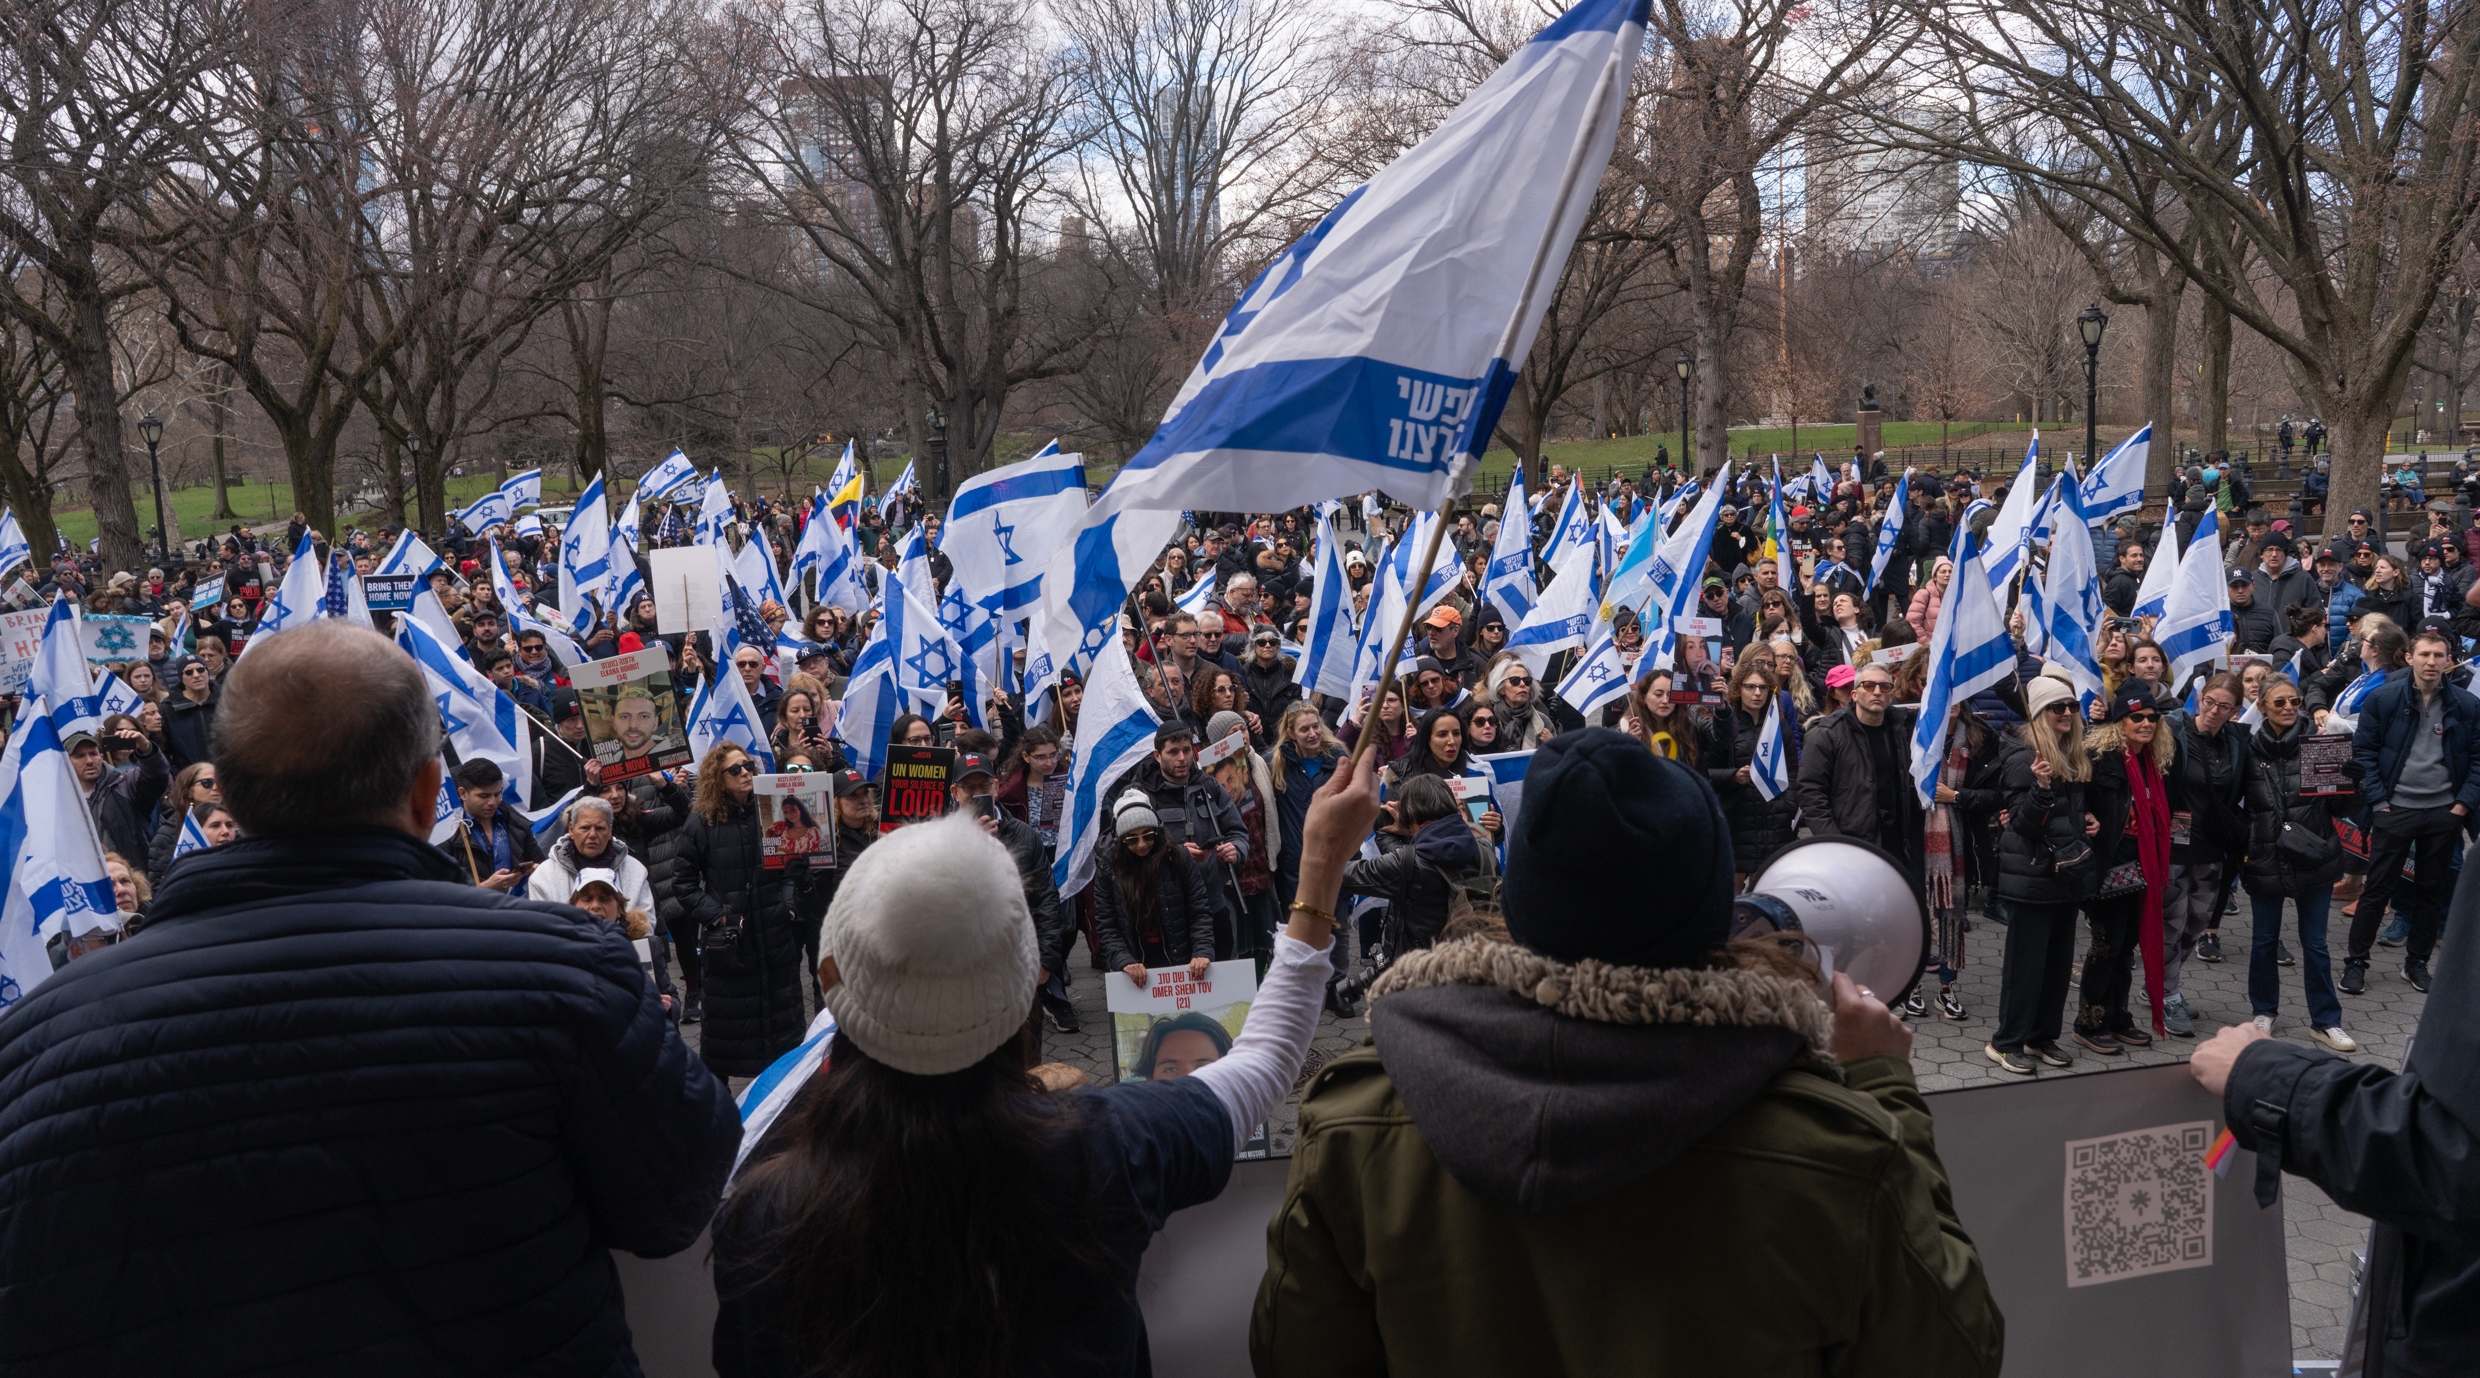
{"x": 2109, "y": 964}
{"x": 2032, "y": 985}
{"x": 2426, "y": 837}
{"x": 2316, "y": 966}
{"x": 2192, "y": 905}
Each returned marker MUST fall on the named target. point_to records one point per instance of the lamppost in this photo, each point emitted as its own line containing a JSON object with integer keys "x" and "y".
{"x": 151, "y": 426}
{"x": 413, "y": 447}
{"x": 936, "y": 421}
{"x": 2090, "y": 324}
{"x": 1686, "y": 365}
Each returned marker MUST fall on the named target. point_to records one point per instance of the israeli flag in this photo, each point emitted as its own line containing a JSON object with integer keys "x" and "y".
{"x": 627, "y": 531}
{"x": 1786, "y": 566}
{"x": 754, "y": 566}
{"x": 2011, "y": 531}
{"x": 1573, "y": 528}
{"x": 837, "y": 561}
{"x": 61, "y": 678}
{"x": 479, "y": 719}
{"x": 765, "y": 1098}
{"x": 1566, "y": 613}
{"x": 2072, "y": 596}
{"x": 1325, "y": 663}
{"x": 1599, "y": 677}
{"x": 1200, "y": 595}
{"x": 1969, "y": 651}
{"x": 521, "y": 614}
{"x": 2116, "y": 484}
{"x": 906, "y": 484}
{"x": 904, "y": 667}
{"x": 2160, "y": 572}
{"x": 1003, "y": 526}
{"x": 1769, "y": 768}
{"x": 531, "y": 524}
{"x": 675, "y": 473}
{"x": 523, "y": 490}
{"x": 913, "y": 562}
{"x": 714, "y": 514}
{"x": 47, "y": 834}
{"x": 1378, "y": 350}
{"x": 1508, "y": 585}
{"x": 1114, "y": 731}
{"x": 1890, "y": 531}
{"x": 844, "y": 486}
{"x": 1820, "y": 480}
{"x": 113, "y": 696}
{"x": 721, "y": 711}
{"x": 299, "y": 600}
{"x": 2195, "y": 625}
{"x": 585, "y": 561}
{"x": 193, "y": 838}
{"x": 545, "y": 821}
{"x": 627, "y": 581}
{"x": 975, "y": 634}
{"x": 491, "y": 509}
{"x": 1678, "y": 568}
{"x": 410, "y": 556}
{"x": 14, "y": 549}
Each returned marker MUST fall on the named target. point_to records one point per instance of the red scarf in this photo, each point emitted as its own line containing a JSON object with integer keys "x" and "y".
{"x": 2148, "y": 817}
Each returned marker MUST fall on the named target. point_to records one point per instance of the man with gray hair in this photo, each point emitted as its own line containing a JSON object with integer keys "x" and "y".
{"x": 332, "y": 1109}
{"x": 589, "y": 847}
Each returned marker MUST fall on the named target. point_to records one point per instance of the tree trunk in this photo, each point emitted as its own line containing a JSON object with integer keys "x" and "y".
{"x": 392, "y": 474}
{"x": 219, "y": 414}
{"x": 97, "y": 389}
{"x": 2161, "y": 362}
{"x": 1522, "y": 431}
{"x": 1715, "y": 322}
{"x": 32, "y": 501}
{"x": 2213, "y": 379}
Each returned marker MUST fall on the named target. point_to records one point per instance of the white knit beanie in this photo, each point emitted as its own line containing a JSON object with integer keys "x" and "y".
{"x": 934, "y": 945}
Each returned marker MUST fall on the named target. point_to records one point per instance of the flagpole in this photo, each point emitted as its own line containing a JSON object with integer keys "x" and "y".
{"x": 1412, "y": 610}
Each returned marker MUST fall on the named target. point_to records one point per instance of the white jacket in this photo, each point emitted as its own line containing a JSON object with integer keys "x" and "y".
{"x": 556, "y": 878}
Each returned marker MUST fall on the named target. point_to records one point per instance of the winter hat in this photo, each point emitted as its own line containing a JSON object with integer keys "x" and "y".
{"x": 1133, "y": 811}
{"x": 934, "y": 946}
{"x": 1223, "y": 724}
{"x": 1596, "y": 795}
{"x": 2133, "y": 696}
{"x": 2043, "y": 691}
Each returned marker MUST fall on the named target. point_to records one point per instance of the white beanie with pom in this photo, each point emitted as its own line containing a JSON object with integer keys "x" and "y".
{"x": 934, "y": 948}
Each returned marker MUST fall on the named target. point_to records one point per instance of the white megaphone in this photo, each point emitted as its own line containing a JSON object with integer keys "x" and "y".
{"x": 1853, "y": 902}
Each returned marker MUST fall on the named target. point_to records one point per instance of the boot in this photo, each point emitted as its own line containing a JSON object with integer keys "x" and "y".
{"x": 693, "y": 1010}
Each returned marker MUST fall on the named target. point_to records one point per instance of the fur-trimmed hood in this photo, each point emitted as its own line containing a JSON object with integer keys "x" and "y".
{"x": 1542, "y": 1085}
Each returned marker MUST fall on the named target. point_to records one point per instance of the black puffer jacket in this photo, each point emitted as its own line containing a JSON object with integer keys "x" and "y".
{"x": 123, "y": 801}
{"x": 1053, "y": 927}
{"x": 1185, "y": 910}
{"x": 1759, "y": 827}
{"x": 653, "y": 836}
{"x": 2206, "y": 778}
{"x": 2041, "y": 820}
{"x": 1417, "y": 877}
{"x": 2273, "y": 801}
{"x": 372, "y": 1106}
{"x": 753, "y": 988}
{"x": 189, "y": 728}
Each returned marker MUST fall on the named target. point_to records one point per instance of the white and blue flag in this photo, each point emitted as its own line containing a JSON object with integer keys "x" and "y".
{"x": 2071, "y": 589}
{"x": 490, "y": 509}
{"x": 2011, "y": 531}
{"x": 2116, "y": 484}
{"x": 410, "y": 556}
{"x": 1200, "y": 595}
{"x": 478, "y": 718}
{"x": 904, "y": 667}
{"x": 1769, "y": 764}
{"x": 1598, "y": 676}
{"x": 1114, "y": 731}
{"x": 2195, "y": 625}
{"x": 585, "y": 574}
{"x": 1566, "y": 613}
{"x": 674, "y": 474}
{"x": 1328, "y": 638}
{"x": 1890, "y": 531}
{"x": 523, "y": 490}
{"x": 14, "y": 549}
{"x": 2161, "y": 570}
{"x": 765, "y": 1098}
{"x": 47, "y": 834}
{"x": 826, "y": 550}
{"x": 114, "y": 696}
{"x": 61, "y": 678}
{"x": 1572, "y": 528}
{"x": 721, "y": 711}
{"x": 1508, "y": 583}
{"x": 193, "y": 838}
{"x": 1003, "y": 526}
{"x": 1969, "y": 652}
{"x": 1671, "y": 582}
{"x": 521, "y": 616}
{"x": 299, "y": 600}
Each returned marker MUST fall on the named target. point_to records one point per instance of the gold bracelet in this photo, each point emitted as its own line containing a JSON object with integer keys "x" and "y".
{"x": 1316, "y": 913}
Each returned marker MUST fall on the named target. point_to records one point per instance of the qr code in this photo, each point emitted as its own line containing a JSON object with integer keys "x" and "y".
{"x": 2139, "y": 1202}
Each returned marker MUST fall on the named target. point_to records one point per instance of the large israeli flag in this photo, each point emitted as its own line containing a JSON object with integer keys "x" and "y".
{"x": 1572, "y": 528}
{"x": 523, "y": 490}
{"x": 674, "y": 474}
{"x": 1969, "y": 651}
{"x": 479, "y": 719}
{"x": 904, "y": 667}
{"x": 61, "y": 678}
{"x": 1114, "y": 731}
{"x": 721, "y": 711}
{"x": 14, "y": 549}
{"x": 409, "y": 556}
{"x": 1328, "y": 640}
{"x": 1890, "y": 531}
{"x": 112, "y": 695}
{"x": 490, "y": 509}
{"x": 56, "y": 879}
{"x": 521, "y": 614}
{"x": 714, "y": 514}
{"x": 1508, "y": 584}
{"x": 1769, "y": 767}
{"x": 1003, "y": 526}
{"x": 1566, "y": 613}
{"x": 2195, "y": 625}
{"x": 585, "y": 561}
{"x": 2116, "y": 484}
{"x": 2071, "y": 595}
{"x": 299, "y": 600}
{"x": 2161, "y": 570}
{"x": 1677, "y": 571}
{"x": 827, "y": 551}
{"x": 1599, "y": 676}
{"x": 2011, "y": 531}
{"x": 1378, "y": 350}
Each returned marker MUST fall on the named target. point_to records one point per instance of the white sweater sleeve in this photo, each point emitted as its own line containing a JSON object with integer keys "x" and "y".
{"x": 1254, "y": 1076}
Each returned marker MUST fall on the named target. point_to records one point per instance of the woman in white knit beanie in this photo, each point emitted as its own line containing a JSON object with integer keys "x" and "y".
{"x": 919, "y": 1205}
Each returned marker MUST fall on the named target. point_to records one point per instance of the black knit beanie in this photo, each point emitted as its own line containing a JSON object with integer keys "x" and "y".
{"x": 1617, "y": 854}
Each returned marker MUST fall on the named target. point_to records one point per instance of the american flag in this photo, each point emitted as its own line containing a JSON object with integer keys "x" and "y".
{"x": 336, "y": 601}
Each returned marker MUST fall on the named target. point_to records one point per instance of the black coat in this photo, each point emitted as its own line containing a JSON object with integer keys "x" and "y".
{"x": 470, "y": 852}
{"x": 1759, "y": 827}
{"x": 1837, "y": 789}
{"x": 189, "y": 728}
{"x": 753, "y": 988}
{"x": 654, "y": 838}
{"x": 1185, "y": 910}
{"x": 1054, "y": 928}
{"x": 2274, "y": 801}
{"x": 2207, "y": 779}
{"x": 2042, "y": 820}
{"x": 125, "y": 799}
{"x": 380, "y": 1122}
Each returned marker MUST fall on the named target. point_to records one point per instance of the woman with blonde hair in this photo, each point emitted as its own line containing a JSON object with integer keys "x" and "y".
{"x": 2045, "y": 872}
{"x": 1759, "y": 826}
{"x": 2130, "y": 795}
{"x": 750, "y": 944}
{"x": 1792, "y": 672}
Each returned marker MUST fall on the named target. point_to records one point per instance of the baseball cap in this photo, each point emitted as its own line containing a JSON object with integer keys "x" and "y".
{"x": 848, "y": 783}
{"x": 1841, "y": 677}
{"x": 2238, "y": 576}
{"x": 971, "y": 764}
{"x": 2131, "y": 695}
{"x": 1444, "y": 616}
{"x": 2329, "y": 553}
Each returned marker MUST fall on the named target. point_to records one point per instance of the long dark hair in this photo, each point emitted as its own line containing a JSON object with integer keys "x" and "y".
{"x": 1419, "y": 761}
{"x": 924, "y": 1219}
{"x": 1140, "y": 877}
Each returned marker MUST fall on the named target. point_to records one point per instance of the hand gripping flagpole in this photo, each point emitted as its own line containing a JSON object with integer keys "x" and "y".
{"x": 1577, "y": 156}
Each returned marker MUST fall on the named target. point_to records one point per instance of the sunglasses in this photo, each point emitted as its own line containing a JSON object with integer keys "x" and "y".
{"x": 1480, "y": 720}
{"x": 2144, "y": 717}
{"x": 741, "y": 769}
{"x": 1517, "y": 679}
{"x": 1148, "y": 836}
{"x": 2063, "y": 709}
{"x": 1883, "y": 686}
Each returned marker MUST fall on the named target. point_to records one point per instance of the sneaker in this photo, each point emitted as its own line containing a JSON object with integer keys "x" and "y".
{"x": 1062, "y": 1017}
{"x": 2176, "y": 1017}
{"x": 2231, "y": 905}
{"x": 2336, "y": 1039}
{"x": 2264, "y": 1024}
{"x": 2282, "y": 955}
{"x": 2416, "y": 972}
{"x": 1950, "y": 1004}
{"x": 2132, "y": 1037}
{"x": 2396, "y": 932}
{"x": 695, "y": 1011}
{"x": 2017, "y": 1063}
{"x": 2209, "y": 949}
{"x": 2100, "y": 1041}
{"x": 1338, "y": 1004}
{"x": 2354, "y": 976}
{"x": 1916, "y": 1004}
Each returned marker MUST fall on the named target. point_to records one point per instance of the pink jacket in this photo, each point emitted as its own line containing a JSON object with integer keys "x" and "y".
{"x": 1924, "y": 610}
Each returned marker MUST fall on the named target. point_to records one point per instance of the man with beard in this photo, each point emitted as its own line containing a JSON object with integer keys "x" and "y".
{"x": 635, "y": 723}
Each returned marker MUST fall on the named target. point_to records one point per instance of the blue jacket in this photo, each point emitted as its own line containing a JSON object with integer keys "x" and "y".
{"x": 2386, "y": 722}
{"x": 334, "y": 1109}
{"x": 2339, "y": 601}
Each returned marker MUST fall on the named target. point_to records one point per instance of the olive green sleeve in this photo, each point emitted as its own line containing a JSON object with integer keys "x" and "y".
{"x": 1315, "y": 1314}
{"x": 1928, "y": 1310}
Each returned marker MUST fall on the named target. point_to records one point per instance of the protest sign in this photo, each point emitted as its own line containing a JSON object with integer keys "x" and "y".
{"x": 632, "y": 716}
{"x": 2322, "y": 760}
{"x": 390, "y": 592}
{"x": 1506, "y": 770}
{"x": 207, "y": 593}
{"x": 688, "y": 593}
{"x": 794, "y": 819}
{"x": 21, "y": 636}
{"x": 1176, "y": 1023}
{"x": 114, "y": 638}
{"x": 915, "y": 785}
{"x": 1473, "y": 792}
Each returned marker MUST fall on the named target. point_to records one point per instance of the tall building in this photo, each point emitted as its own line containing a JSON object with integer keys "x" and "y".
{"x": 825, "y": 115}
{"x": 1868, "y": 193}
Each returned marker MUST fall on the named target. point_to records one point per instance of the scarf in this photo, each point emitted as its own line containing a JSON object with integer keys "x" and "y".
{"x": 2148, "y": 816}
{"x": 1938, "y": 833}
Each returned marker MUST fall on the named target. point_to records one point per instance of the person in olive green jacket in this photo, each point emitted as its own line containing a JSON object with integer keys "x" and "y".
{"x": 1620, "y": 1144}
